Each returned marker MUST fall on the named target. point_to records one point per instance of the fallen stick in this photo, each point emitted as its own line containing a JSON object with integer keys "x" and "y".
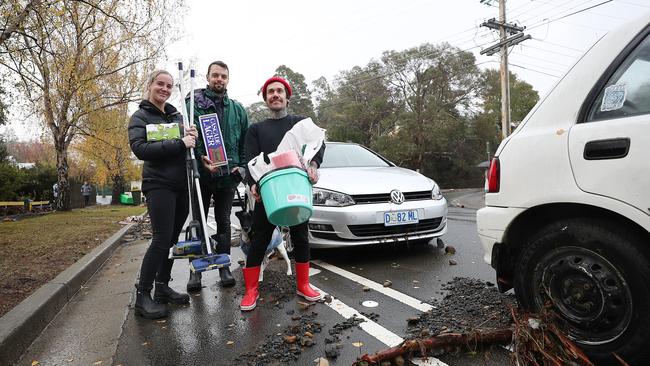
{"x": 499, "y": 336}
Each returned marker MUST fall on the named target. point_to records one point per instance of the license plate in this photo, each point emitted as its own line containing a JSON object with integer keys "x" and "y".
{"x": 401, "y": 217}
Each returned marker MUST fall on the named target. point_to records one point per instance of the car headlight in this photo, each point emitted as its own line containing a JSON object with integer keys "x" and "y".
{"x": 435, "y": 193}
{"x": 323, "y": 197}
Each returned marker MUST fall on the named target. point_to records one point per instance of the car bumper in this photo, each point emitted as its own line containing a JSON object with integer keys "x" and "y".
{"x": 491, "y": 223}
{"x": 363, "y": 224}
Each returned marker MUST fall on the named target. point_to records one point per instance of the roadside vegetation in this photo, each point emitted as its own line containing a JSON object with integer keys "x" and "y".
{"x": 37, "y": 249}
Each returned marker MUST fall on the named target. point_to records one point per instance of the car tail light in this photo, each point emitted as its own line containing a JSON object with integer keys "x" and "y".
{"x": 493, "y": 176}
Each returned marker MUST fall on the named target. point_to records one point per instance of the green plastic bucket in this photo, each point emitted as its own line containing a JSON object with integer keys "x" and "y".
{"x": 287, "y": 196}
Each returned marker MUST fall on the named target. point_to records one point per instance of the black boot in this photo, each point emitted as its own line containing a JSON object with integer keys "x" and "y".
{"x": 227, "y": 280}
{"x": 165, "y": 294}
{"x": 194, "y": 283}
{"x": 147, "y": 308}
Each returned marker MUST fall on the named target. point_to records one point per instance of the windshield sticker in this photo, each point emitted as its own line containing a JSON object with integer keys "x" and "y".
{"x": 614, "y": 98}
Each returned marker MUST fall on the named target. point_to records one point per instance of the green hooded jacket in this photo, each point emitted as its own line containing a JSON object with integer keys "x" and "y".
{"x": 233, "y": 129}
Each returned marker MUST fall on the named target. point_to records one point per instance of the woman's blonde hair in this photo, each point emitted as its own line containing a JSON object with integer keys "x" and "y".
{"x": 150, "y": 79}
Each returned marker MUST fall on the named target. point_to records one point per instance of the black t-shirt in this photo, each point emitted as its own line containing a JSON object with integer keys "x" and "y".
{"x": 265, "y": 136}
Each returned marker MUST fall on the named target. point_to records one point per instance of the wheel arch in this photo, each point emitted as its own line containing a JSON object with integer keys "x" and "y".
{"x": 536, "y": 218}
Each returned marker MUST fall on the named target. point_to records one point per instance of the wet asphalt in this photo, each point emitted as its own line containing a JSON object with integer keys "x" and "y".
{"x": 211, "y": 330}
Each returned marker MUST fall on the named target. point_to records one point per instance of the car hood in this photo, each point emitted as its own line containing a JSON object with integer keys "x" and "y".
{"x": 360, "y": 180}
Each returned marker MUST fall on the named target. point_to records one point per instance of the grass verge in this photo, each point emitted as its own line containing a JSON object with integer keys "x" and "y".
{"x": 36, "y": 249}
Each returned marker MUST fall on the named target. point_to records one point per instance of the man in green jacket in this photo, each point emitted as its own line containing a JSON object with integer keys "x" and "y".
{"x": 219, "y": 182}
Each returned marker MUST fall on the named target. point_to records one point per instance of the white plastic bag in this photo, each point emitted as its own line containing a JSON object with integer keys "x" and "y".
{"x": 305, "y": 138}
{"x": 257, "y": 167}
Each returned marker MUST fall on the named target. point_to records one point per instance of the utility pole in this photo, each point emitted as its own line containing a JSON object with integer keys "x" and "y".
{"x": 509, "y": 35}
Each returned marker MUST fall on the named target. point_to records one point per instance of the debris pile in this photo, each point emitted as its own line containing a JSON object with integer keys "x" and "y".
{"x": 140, "y": 231}
{"x": 474, "y": 316}
{"x": 538, "y": 340}
{"x": 468, "y": 305}
{"x": 333, "y": 342}
{"x": 286, "y": 346}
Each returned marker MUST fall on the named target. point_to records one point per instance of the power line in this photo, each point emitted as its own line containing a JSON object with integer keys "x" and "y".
{"x": 541, "y": 59}
{"x": 633, "y": 4}
{"x": 541, "y": 19}
{"x": 541, "y": 72}
{"x": 573, "y": 13}
{"x": 559, "y": 45}
{"x": 540, "y": 67}
{"x": 364, "y": 79}
{"x": 553, "y": 52}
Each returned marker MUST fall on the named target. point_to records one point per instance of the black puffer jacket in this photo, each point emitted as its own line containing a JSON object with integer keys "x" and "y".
{"x": 164, "y": 161}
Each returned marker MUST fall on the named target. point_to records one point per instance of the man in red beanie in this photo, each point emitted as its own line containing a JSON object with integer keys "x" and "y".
{"x": 265, "y": 136}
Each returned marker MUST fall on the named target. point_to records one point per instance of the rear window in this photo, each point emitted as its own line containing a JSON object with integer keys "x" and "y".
{"x": 627, "y": 92}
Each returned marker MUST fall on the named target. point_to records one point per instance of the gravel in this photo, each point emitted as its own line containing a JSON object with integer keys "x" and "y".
{"x": 470, "y": 304}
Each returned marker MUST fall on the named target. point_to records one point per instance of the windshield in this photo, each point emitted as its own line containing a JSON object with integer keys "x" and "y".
{"x": 344, "y": 155}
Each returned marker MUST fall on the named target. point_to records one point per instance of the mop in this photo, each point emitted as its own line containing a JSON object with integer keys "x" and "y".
{"x": 197, "y": 229}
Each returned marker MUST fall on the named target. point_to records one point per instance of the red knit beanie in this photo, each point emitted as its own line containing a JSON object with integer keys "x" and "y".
{"x": 287, "y": 87}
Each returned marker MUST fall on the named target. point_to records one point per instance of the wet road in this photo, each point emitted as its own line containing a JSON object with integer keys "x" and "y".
{"x": 99, "y": 325}
{"x": 213, "y": 331}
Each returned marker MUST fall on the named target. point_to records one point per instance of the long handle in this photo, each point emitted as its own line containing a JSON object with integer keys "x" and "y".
{"x": 195, "y": 170}
{"x": 188, "y": 156}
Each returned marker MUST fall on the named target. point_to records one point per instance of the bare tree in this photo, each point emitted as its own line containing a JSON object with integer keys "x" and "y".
{"x": 69, "y": 54}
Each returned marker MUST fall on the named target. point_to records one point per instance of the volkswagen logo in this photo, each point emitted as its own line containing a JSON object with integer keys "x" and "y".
{"x": 396, "y": 196}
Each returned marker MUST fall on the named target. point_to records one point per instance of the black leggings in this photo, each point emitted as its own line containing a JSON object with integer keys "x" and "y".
{"x": 262, "y": 231}
{"x": 168, "y": 210}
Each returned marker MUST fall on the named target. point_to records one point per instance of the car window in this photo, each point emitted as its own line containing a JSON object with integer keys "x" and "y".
{"x": 627, "y": 93}
{"x": 342, "y": 155}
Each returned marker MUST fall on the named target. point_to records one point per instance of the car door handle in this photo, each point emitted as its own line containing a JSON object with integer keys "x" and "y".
{"x": 607, "y": 149}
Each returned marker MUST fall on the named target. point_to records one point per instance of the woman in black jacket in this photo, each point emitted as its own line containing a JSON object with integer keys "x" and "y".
{"x": 155, "y": 132}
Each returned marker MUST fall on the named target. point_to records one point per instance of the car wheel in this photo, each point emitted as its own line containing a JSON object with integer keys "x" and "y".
{"x": 595, "y": 276}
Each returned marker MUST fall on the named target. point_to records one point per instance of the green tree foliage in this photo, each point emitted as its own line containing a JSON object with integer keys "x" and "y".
{"x": 522, "y": 99}
{"x": 437, "y": 85}
{"x": 427, "y": 108}
{"x": 361, "y": 107}
{"x": 257, "y": 112}
{"x": 300, "y": 102}
{"x": 3, "y": 150}
{"x": 16, "y": 184}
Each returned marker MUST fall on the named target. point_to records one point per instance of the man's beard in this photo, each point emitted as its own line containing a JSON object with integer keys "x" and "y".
{"x": 218, "y": 89}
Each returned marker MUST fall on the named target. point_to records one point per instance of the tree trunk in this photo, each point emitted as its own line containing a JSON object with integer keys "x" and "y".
{"x": 63, "y": 199}
{"x": 118, "y": 185}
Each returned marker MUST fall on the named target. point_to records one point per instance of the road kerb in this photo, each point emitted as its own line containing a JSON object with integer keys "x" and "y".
{"x": 23, "y": 324}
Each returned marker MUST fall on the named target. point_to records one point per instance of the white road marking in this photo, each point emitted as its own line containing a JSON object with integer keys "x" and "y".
{"x": 403, "y": 298}
{"x": 384, "y": 335}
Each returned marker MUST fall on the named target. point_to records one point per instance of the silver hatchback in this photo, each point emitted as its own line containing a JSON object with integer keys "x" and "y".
{"x": 362, "y": 198}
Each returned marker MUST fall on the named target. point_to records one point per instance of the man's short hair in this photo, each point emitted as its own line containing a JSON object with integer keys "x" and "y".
{"x": 220, "y": 64}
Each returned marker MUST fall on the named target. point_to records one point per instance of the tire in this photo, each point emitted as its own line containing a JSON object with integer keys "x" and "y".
{"x": 596, "y": 277}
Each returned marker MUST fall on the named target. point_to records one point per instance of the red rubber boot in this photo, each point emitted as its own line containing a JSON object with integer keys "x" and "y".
{"x": 249, "y": 301}
{"x": 302, "y": 283}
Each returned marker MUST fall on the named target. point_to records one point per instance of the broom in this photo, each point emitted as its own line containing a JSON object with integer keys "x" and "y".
{"x": 209, "y": 261}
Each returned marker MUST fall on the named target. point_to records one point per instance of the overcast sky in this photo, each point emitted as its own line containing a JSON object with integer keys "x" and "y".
{"x": 322, "y": 38}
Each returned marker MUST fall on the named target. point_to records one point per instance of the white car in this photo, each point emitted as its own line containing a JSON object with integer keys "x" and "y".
{"x": 567, "y": 216}
{"x": 362, "y": 198}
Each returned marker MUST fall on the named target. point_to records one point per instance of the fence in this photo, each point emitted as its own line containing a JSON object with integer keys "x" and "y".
{"x": 10, "y": 207}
